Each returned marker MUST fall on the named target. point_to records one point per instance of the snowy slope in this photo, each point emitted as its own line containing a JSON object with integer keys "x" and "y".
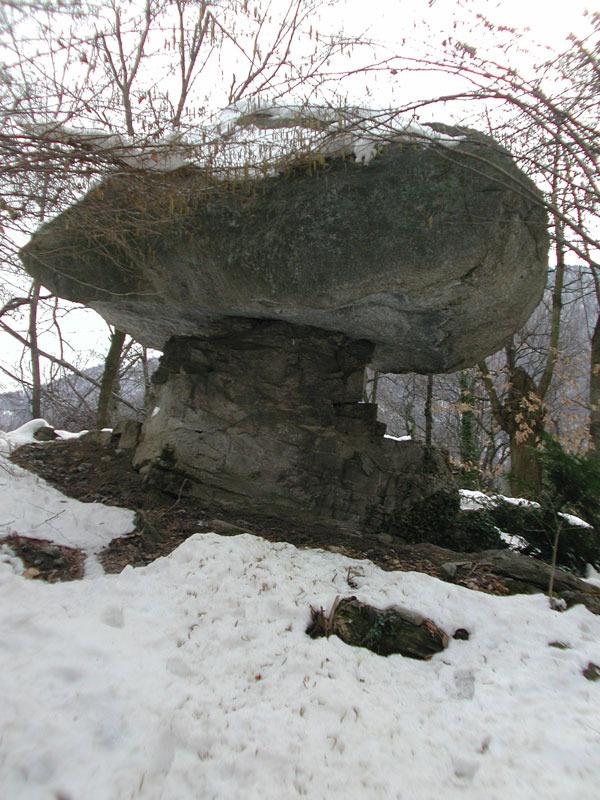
{"x": 192, "y": 678}
{"x": 30, "y": 507}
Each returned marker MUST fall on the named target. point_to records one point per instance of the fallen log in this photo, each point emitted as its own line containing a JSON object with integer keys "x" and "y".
{"x": 518, "y": 572}
{"x": 383, "y": 631}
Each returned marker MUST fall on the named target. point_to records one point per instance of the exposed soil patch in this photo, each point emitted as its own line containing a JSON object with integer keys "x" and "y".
{"x": 93, "y": 471}
{"x": 46, "y": 560}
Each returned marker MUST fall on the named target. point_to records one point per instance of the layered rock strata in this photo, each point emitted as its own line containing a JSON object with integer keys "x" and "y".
{"x": 267, "y": 415}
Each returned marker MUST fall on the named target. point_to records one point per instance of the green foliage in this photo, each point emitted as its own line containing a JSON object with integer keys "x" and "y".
{"x": 577, "y": 546}
{"x": 474, "y": 531}
{"x": 570, "y": 482}
{"x": 467, "y": 532}
{"x": 411, "y": 424}
{"x": 439, "y": 521}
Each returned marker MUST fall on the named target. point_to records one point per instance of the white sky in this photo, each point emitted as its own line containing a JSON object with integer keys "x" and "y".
{"x": 549, "y": 20}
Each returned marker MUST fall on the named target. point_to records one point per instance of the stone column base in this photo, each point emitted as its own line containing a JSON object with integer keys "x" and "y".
{"x": 267, "y": 416}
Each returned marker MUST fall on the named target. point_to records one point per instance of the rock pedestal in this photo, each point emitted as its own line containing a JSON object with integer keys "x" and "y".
{"x": 267, "y": 416}
{"x": 269, "y": 294}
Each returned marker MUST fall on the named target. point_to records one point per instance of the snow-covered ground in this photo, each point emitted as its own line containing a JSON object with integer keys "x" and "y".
{"x": 193, "y": 678}
{"x": 32, "y": 508}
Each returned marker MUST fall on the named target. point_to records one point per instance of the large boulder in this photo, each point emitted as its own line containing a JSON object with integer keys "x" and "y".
{"x": 269, "y": 297}
{"x": 435, "y": 255}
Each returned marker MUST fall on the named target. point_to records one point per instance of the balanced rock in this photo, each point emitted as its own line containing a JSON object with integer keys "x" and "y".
{"x": 434, "y": 255}
{"x": 269, "y": 297}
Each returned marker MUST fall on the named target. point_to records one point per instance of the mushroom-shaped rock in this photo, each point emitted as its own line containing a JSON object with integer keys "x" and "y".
{"x": 435, "y": 255}
{"x": 269, "y": 296}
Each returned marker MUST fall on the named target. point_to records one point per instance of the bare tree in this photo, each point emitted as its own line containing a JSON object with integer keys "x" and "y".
{"x": 88, "y": 91}
{"x": 547, "y": 115}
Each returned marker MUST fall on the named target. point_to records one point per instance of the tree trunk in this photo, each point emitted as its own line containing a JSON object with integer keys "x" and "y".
{"x": 147, "y": 382}
{"x": 525, "y": 415}
{"x": 525, "y": 477}
{"x": 374, "y": 387}
{"x": 36, "y": 382}
{"x": 469, "y": 450}
{"x": 34, "y": 295}
{"x": 429, "y": 412}
{"x": 522, "y": 417}
{"x": 110, "y": 377}
{"x": 370, "y": 393}
{"x": 595, "y": 394}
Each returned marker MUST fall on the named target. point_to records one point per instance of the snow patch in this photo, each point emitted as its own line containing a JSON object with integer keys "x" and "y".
{"x": 9, "y": 561}
{"x": 592, "y": 576}
{"x": 477, "y": 501}
{"x": 193, "y": 677}
{"x": 31, "y": 508}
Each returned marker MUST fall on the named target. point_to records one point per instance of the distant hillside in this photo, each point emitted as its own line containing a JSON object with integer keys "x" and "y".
{"x": 70, "y": 402}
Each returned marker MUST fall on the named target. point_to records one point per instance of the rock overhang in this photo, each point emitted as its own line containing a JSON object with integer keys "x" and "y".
{"x": 434, "y": 255}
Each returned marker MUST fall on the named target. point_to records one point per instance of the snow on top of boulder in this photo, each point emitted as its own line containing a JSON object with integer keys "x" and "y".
{"x": 571, "y": 519}
{"x": 361, "y": 131}
{"x": 168, "y": 154}
{"x": 338, "y": 131}
{"x": 592, "y": 576}
{"x": 398, "y": 438}
{"x": 25, "y": 434}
